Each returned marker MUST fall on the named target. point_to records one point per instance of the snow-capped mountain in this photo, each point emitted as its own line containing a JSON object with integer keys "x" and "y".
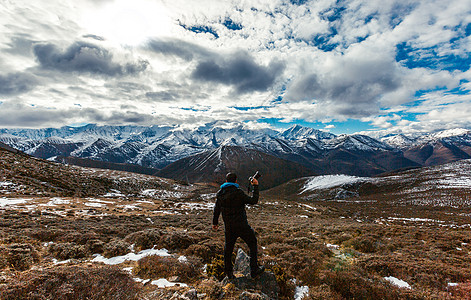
{"x": 434, "y": 148}
{"x": 321, "y": 152}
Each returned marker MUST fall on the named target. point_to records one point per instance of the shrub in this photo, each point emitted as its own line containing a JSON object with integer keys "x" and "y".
{"x": 67, "y": 250}
{"x": 65, "y": 282}
{"x": 18, "y": 256}
{"x": 282, "y": 278}
{"x": 95, "y": 245}
{"x": 322, "y": 292}
{"x": 365, "y": 243}
{"x": 352, "y": 283}
{"x": 155, "y": 266}
{"x": 116, "y": 247}
{"x": 202, "y": 251}
{"x": 176, "y": 241}
{"x": 211, "y": 288}
{"x": 144, "y": 239}
{"x": 216, "y": 268}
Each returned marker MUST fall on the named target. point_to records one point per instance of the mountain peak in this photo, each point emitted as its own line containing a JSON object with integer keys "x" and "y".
{"x": 297, "y": 131}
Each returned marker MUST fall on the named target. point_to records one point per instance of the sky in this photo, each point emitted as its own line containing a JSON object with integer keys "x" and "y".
{"x": 385, "y": 67}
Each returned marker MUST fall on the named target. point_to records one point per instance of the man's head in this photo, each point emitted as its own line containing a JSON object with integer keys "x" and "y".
{"x": 231, "y": 177}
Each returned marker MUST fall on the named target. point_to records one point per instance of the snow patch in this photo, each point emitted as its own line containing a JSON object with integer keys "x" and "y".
{"x": 12, "y": 202}
{"x": 329, "y": 181}
{"x": 163, "y": 283}
{"x": 300, "y": 292}
{"x": 129, "y": 257}
{"x": 398, "y": 282}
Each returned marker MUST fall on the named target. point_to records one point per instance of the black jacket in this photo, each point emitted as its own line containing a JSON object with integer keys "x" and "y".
{"x": 231, "y": 201}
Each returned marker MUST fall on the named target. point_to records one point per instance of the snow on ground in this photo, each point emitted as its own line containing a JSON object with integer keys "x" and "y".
{"x": 300, "y": 292}
{"x": 130, "y": 256}
{"x": 455, "y": 183}
{"x": 56, "y": 201}
{"x": 398, "y": 282}
{"x": 12, "y": 202}
{"x": 416, "y": 220}
{"x": 329, "y": 181}
{"x": 163, "y": 283}
{"x": 99, "y": 200}
{"x": 193, "y": 206}
{"x": 210, "y": 196}
{"x": 94, "y": 204}
{"x": 129, "y": 207}
{"x": 162, "y": 194}
{"x": 113, "y": 194}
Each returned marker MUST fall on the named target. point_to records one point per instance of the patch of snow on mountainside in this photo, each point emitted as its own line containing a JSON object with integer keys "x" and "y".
{"x": 329, "y": 181}
{"x": 450, "y": 133}
{"x": 398, "y": 141}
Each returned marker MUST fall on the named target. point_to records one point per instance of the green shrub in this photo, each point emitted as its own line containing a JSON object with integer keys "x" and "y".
{"x": 216, "y": 268}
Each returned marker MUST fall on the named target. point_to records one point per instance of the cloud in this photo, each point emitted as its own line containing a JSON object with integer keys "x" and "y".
{"x": 178, "y": 48}
{"x": 352, "y": 85}
{"x": 84, "y": 57}
{"x": 240, "y": 71}
{"x": 16, "y": 83}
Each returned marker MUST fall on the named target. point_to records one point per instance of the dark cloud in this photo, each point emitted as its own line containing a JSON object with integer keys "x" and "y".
{"x": 15, "y": 114}
{"x": 354, "y": 90}
{"x": 163, "y": 96}
{"x": 178, "y": 48}
{"x": 85, "y": 58}
{"x": 20, "y": 44}
{"x": 240, "y": 71}
{"x": 16, "y": 83}
{"x": 95, "y": 37}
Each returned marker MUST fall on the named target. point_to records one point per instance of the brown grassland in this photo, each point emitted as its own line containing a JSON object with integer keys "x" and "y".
{"x": 340, "y": 249}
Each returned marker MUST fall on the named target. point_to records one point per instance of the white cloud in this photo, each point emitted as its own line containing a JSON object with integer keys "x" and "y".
{"x": 358, "y": 78}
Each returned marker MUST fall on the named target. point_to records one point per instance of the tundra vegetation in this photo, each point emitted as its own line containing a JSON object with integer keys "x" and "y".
{"x": 76, "y": 233}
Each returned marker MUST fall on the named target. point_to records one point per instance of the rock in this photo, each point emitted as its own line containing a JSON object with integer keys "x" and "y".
{"x": 191, "y": 294}
{"x": 174, "y": 278}
{"x": 242, "y": 263}
{"x": 265, "y": 283}
{"x": 253, "y": 296}
{"x": 344, "y": 194}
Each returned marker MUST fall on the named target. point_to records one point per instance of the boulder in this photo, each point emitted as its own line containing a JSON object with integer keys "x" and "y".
{"x": 265, "y": 283}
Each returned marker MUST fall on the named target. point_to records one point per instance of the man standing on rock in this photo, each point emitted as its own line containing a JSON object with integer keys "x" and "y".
{"x": 231, "y": 201}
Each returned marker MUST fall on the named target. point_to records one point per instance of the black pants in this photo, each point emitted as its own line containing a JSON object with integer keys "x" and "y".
{"x": 247, "y": 234}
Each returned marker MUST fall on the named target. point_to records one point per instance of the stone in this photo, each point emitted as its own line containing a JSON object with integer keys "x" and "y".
{"x": 253, "y": 296}
{"x": 242, "y": 263}
{"x": 191, "y": 294}
{"x": 265, "y": 283}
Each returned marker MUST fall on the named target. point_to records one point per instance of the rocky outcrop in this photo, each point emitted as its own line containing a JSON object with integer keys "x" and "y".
{"x": 266, "y": 283}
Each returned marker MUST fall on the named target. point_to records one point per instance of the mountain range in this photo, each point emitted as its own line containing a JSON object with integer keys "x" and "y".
{"x": 183, "y": 153}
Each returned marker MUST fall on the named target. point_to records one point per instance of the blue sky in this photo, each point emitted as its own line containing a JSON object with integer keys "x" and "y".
{"x": 342, "y": 66}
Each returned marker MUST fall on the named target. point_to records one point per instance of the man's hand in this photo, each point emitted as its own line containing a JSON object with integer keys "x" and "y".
{"x": 215, "y": 227}
{"x": 254, "y": 181}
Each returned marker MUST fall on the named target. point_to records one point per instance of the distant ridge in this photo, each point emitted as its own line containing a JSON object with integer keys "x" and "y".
{"x": 212, "y": 166}
{"x": 156, "y": 147}
{"x": 90, "y": 163}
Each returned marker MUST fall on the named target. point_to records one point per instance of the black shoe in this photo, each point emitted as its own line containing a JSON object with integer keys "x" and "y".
{"x": 257, "y": 272}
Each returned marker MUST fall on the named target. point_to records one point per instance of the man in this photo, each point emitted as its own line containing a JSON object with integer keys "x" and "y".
{"x": 231, "y": 201}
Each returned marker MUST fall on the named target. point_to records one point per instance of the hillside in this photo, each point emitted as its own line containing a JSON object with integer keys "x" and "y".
{"x": 212, "y": 166}
{"x": 77, "y": 233}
